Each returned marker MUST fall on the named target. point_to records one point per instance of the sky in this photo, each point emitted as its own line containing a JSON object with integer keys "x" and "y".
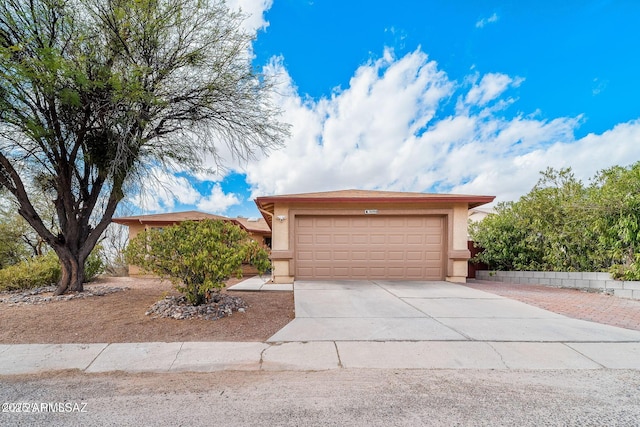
{"x": 434, "y": 96}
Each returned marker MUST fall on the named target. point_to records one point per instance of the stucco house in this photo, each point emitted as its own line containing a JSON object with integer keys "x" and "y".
{"x": 478, "y": 214}
{"x": 358, "y": 234}
{"x": 257, "y": 228}
{"x": 352, "y": 234}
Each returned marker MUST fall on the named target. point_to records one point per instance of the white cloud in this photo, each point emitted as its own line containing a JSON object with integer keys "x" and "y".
{"x": 490, "y": 20}
{"x": 254, "y": 9}
{"x": 162, "y": 190}
{"x": 402, "y": 124}
{"x": 346, "y": 140}
{"x": 388, "y": 130}
{"x": 217, "y": 202}
{"x": 491, "y": 86}
{"x": 599, "y": 86}
{"x": 513, "y": 176}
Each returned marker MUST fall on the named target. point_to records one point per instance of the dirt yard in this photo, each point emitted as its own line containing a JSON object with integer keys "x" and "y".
{"x": 120, "y": 317}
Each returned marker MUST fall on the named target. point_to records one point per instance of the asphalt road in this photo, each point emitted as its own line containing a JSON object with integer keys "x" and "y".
{"x": 334, "y": 398}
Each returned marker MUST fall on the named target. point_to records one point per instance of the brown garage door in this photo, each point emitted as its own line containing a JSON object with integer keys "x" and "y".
{"x": 370, "y": 247}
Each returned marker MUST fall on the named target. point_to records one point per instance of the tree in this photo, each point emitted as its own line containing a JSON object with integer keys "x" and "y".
{"x": 16, "y": 225}
{"x": 549, "y": 228}
{"x": 560, "y": 214}
{"x": 507, "y": 240}
{"x": 616, "y": 198}
{"x": 198, "y": 257}
{"x": 12, "y": 247}
{"x": 95, "y": 92}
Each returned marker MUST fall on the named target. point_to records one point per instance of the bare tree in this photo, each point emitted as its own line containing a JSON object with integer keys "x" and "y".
{"x": 93, "y": 92}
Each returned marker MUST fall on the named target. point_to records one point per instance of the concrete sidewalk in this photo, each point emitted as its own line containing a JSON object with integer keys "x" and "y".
{"x": 260, "y": 283}
{"x": 367, "y": 325}
{"x": 315, "y": 356}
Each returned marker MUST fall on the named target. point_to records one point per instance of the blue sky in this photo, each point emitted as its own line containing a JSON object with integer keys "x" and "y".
{"x": 432, "y": 96}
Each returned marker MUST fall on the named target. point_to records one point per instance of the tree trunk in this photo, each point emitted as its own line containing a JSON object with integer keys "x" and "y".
{"x": 72, "y": 277}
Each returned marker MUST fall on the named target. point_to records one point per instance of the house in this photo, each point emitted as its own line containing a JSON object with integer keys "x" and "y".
{"x": 358, "y": 234}
{"x": 477, "y": 215}
{"x": 257, "y": 228}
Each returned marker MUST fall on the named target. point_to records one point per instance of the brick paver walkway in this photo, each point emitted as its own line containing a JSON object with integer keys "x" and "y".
{"x": 594, "y": 307}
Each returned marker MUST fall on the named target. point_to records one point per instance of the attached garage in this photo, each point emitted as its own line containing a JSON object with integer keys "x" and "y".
{"x": 357, "y": 234}
{"x": 369, "y": 247}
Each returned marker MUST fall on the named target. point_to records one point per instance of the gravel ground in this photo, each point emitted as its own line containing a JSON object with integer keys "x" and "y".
{"x": 113, "y": 310}
{"x": 337, "y": 398}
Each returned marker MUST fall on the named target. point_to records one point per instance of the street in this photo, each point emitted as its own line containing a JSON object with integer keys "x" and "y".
{"x": 336, "y": 397}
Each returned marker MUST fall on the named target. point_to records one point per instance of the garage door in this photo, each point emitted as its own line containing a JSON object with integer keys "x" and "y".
{"x": 371, "y": 247}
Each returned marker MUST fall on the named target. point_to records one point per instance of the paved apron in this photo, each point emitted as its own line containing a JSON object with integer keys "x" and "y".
{"x": 429, "y": 311}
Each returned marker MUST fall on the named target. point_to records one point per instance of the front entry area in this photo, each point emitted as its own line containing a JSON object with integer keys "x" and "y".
{"x": 369, "y": 247}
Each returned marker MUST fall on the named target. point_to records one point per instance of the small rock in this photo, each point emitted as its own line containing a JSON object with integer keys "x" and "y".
{"x": 176, "y": 307}
{"x": 44, "y": 294}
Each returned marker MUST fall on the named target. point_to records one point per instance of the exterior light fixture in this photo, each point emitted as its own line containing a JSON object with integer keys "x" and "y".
{"x": 281, "y": 218}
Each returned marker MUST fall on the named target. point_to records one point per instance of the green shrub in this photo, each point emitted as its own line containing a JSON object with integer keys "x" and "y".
{"x": 44, "y": 270}
{"x": 94, "y": 265}
{"x": 13, "y": 249}
{"x": 563, "y": 225}
{"x": 626, "y": 272}
{"x": 257, "y": 256}
{"x": 197, "y": 257}
{"x": 38, "y": 271}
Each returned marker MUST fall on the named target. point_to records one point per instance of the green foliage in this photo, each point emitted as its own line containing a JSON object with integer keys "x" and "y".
{"x": 507, "y": 240}
{"x": 97, "y": 95}
{"x": 562, "y": 225}
{"x": 43, "y": 270}
{"x": 36, "y": 272}
{"x": 94, "y": 264}
{"x": 258, "y": 256}
{"x": 12, "y": 248}
{"x": 558, "y": 207}
{"x": 616, "y": 198}
{"x": 197, "y": 257}
{"x": 18, "y": 240}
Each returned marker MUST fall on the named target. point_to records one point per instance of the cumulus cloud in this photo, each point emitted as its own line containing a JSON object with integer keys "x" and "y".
{"x": 346, "y": 140}
{"x": 162, "y": 190}
{"x": 490, "y": 87}
{"x": 402, "y": 124}
{"x": 387, "y": 130}
{"x": 254, "y": 9}
{"x": 217, "y": 202}
{"x": 490, "y": 20}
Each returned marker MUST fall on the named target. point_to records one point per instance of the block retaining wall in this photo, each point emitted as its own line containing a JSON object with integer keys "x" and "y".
{"x": 597, "y": 281}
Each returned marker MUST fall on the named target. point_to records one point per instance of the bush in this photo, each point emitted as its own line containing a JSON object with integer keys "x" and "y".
{"x": 257, "y": 256}
{"x": 94, "y": 265}
{"x": 38, "y": 271}
{"x": 630, "y": 271}
{"x": 562, "y": 225}
{"x": 43, "y": 270}
{"x": 197, "y": 257}
{"x": 13, "y": 250}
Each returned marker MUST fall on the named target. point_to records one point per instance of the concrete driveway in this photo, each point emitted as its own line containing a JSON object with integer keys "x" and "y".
{"x": 429, "y": 311}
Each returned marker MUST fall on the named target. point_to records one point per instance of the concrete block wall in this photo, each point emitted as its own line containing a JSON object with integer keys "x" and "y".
{"x": 580, "y": 280}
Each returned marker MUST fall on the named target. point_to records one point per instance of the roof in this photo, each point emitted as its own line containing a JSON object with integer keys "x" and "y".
{"x": 256, "y": 225}
{"x": 167, "y": 217}
{"x": 266, "y": 204}
{"x": 259, "y": 225}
